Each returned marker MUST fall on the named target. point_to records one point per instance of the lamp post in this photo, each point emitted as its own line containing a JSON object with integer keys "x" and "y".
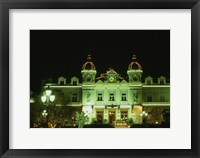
{"x": 47, "y": 99}
{"x": 143, "y": 115}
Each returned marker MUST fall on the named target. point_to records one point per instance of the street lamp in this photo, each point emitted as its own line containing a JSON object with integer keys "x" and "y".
{"x": 47, "y": 99}
{"x": 144, "y": 115}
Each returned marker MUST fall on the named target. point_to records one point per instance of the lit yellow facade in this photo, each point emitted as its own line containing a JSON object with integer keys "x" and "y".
{"x": 110, "y": 98}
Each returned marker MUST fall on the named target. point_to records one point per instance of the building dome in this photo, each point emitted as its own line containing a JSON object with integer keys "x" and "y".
{"x": 88, "y": 65}
{"x": 134, "y": 65}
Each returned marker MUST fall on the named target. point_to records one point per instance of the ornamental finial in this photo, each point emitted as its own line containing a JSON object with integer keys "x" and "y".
{"x": 134, "y": 57}
{"x": 89, "y": 57}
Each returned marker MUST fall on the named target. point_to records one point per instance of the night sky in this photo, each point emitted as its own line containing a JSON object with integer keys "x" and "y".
{"x": 55, "y": 53}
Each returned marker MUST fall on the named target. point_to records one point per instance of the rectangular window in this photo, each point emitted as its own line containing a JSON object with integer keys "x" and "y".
{"x": 74, "y": 97}
{"x": 99, "y": 97}
{"x": 112, "y": 97}
{"x": 123, "y": 96}
{"x": 162, "y": 98}
{"x": 149, "y": 98}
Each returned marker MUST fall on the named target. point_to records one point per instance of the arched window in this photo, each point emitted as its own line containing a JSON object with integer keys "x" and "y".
{"x": 162, "y": 80}
{"x": 74, "y": 81}
{"x": 61, "y": 81}
{"x": 149, "y": 80}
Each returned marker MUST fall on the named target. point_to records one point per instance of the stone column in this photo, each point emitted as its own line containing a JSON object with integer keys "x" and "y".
{"x": 118, "y": 114}
{"x": 105, "y": 114}
{"x": 94, "y": 114}
{"x": 129, "y": 112}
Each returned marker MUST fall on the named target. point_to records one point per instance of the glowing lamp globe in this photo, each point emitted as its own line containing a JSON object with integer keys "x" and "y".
{"x": 43, "y": 98}
{"x": 52, "y": 98}
{"x": 48, "y": 92}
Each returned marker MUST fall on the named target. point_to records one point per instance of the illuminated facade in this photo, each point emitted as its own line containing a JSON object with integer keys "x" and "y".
{"x": 110, "y": 98}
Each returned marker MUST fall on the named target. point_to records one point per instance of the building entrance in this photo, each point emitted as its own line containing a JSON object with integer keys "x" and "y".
{"x": 124, "y": 115}
{"x": 111, "y": 116}
{"x": 99, "y": 116}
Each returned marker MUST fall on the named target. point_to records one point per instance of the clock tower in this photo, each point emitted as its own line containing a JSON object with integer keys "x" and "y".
{"x": 135, "y": 82}
{"x": 88, "y": 87}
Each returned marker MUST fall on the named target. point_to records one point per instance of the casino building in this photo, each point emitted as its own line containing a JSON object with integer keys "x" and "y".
{"x": 110, "y": 98}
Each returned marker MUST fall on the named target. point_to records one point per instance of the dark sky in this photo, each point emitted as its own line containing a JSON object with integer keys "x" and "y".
{"x": 55, "y": 53}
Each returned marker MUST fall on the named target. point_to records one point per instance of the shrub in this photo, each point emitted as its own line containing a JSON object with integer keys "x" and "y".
{"x": 105, "y": 121}
{"x": 129, "y": 121}
{"x": 94, "y": 121}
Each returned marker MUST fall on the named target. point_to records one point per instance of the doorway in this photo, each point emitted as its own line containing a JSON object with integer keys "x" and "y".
{"x": 111, "y": 116}
{"x": 99, "y": 116}
{"x": 124, "y": 115}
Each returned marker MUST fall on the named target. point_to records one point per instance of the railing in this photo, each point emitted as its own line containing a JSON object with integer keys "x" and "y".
{"x": 124, "y": 102}
{"x": 156, "y": 103}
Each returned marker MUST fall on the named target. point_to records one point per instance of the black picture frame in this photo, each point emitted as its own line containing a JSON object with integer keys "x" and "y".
{"x": 5, "y": 5}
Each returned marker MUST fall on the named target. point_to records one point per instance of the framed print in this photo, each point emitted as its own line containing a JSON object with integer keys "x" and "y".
{"x": 99, "y": 78}
{"x": 100, "y": 99}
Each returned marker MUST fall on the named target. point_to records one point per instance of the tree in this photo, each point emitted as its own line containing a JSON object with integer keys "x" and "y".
{"x": 166, "y": 115}
{"x": 36, "y": 118}
{"x": 80, "y": 119}
{"x": 58, "y": 116}
{"x": 156, "y": 114}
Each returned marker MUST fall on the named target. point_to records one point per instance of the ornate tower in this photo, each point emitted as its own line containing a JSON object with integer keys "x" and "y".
{"x": 88, "y": 71}
{"x": 88, "y": 87}
{"x": 135, "y": 72}
{"x": 135, "y": 83}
